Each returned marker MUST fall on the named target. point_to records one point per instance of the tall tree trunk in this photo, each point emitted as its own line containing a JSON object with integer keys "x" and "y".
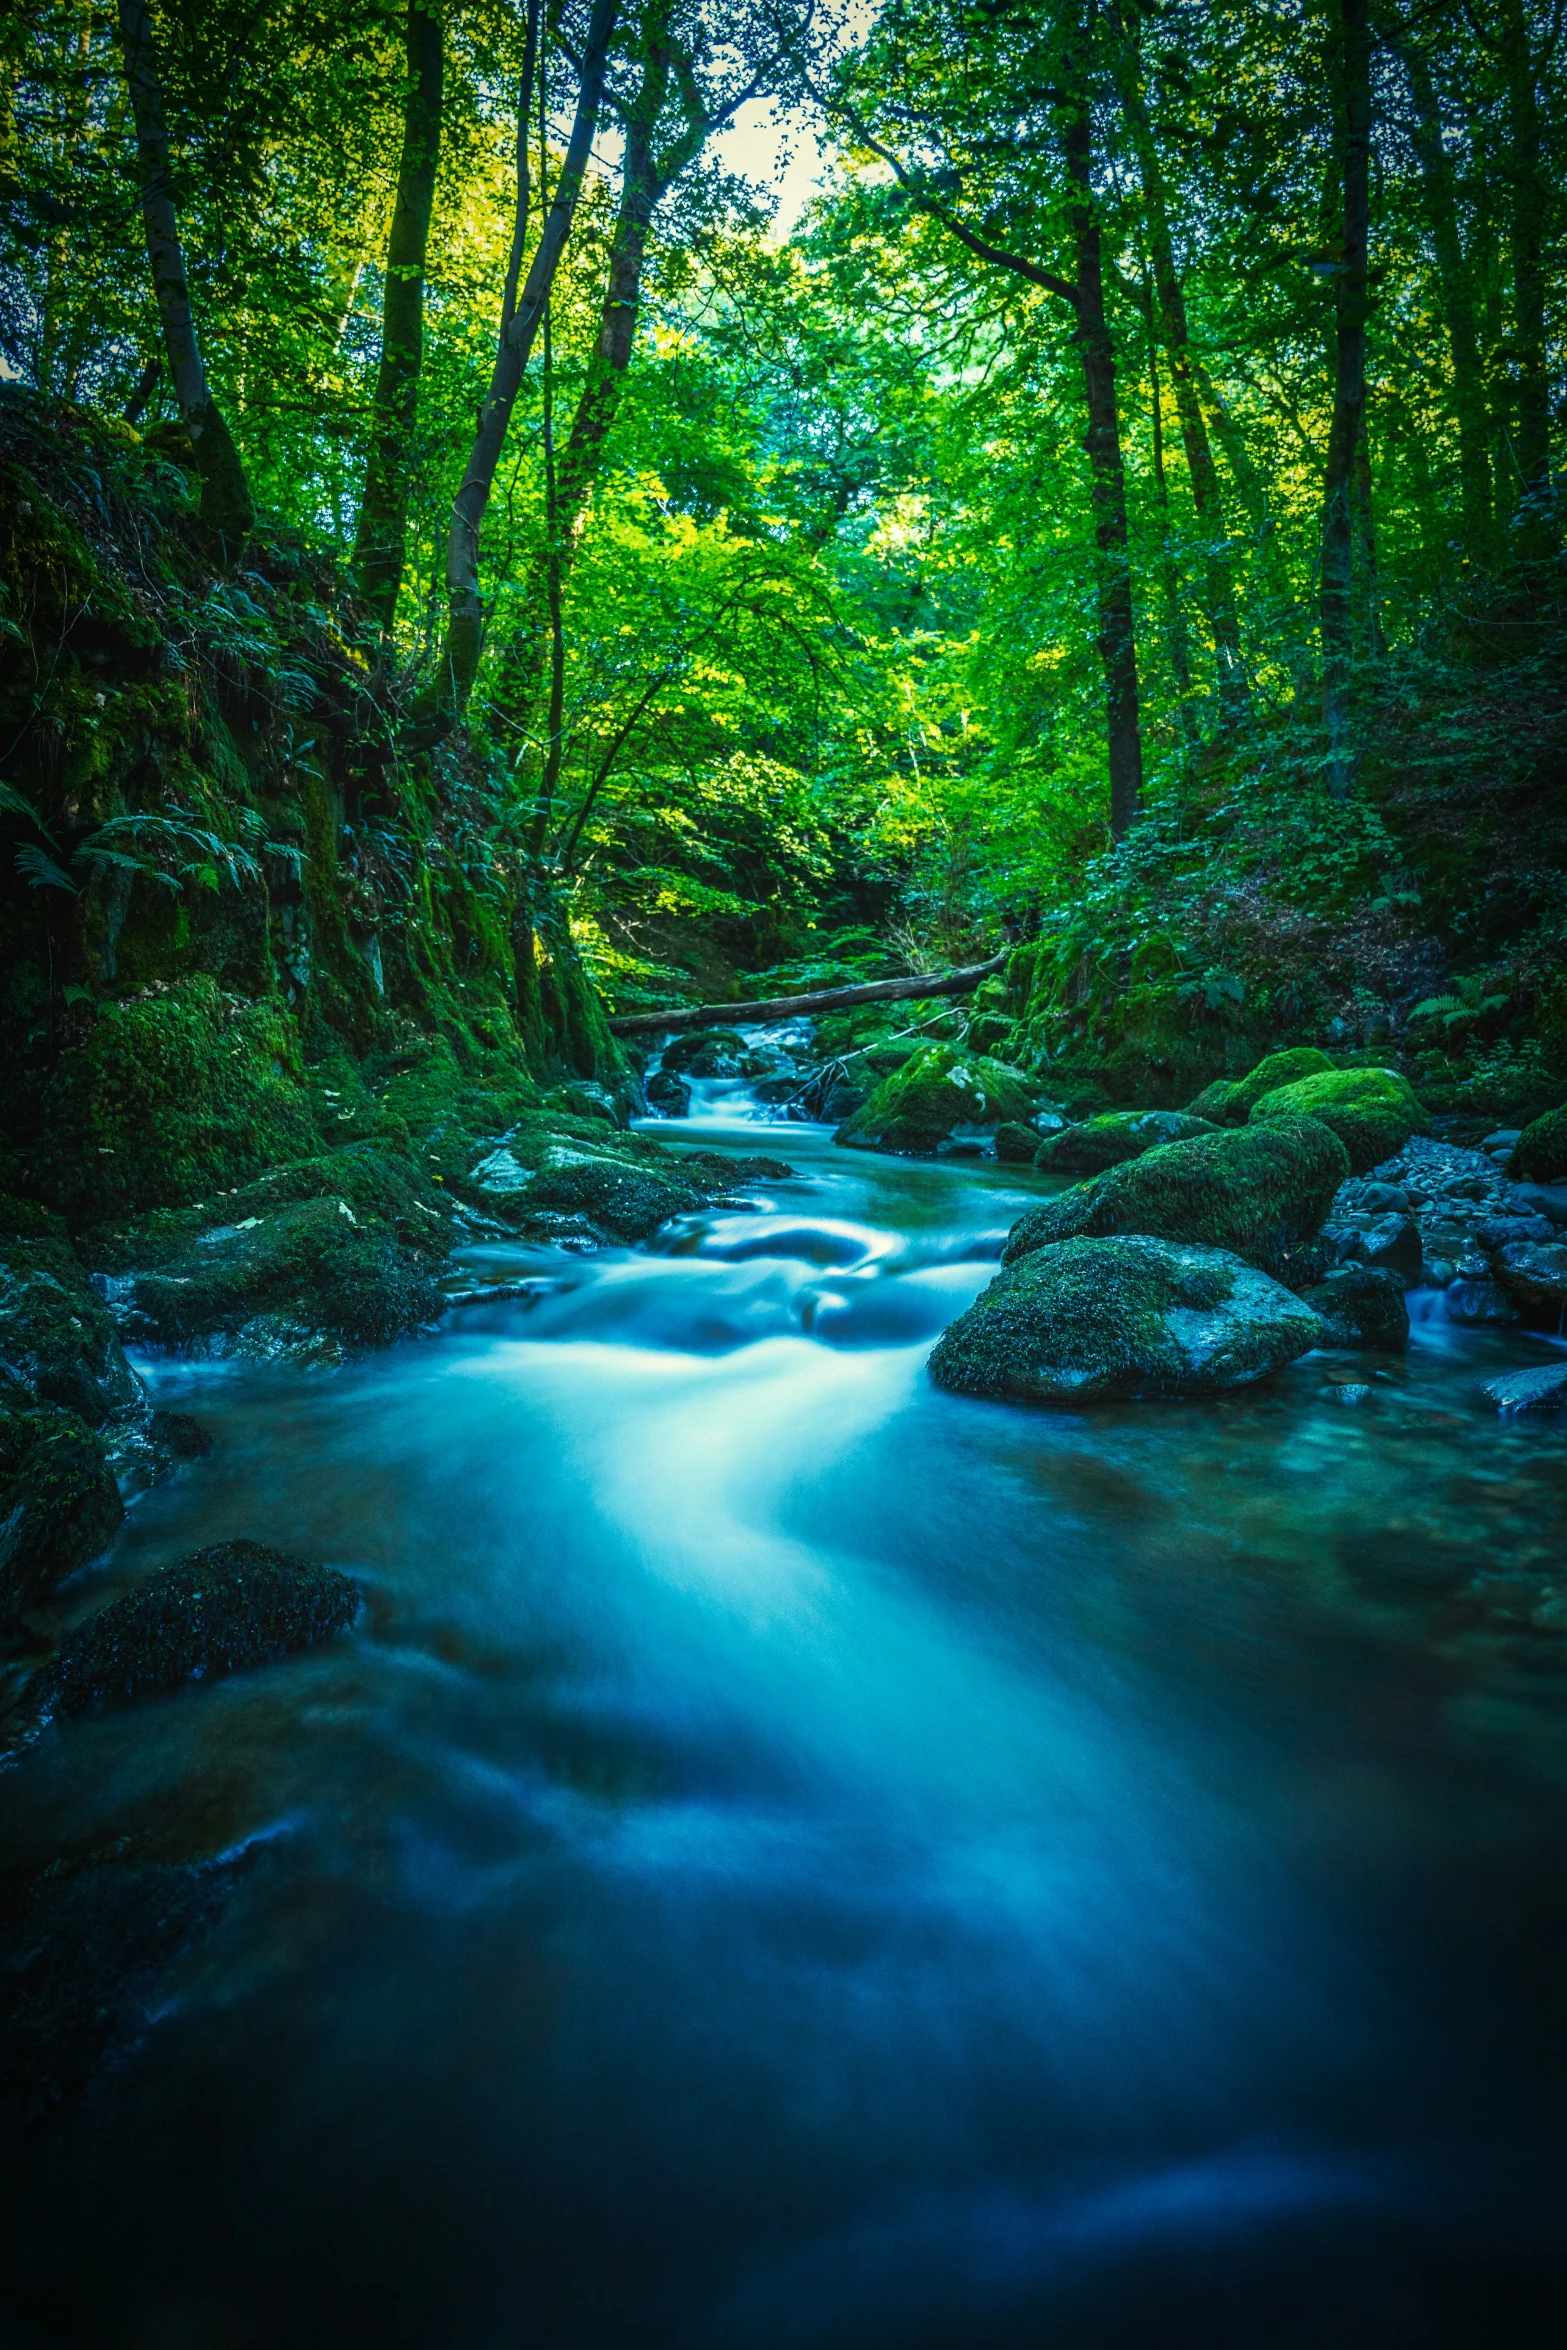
{"x": 380, "y": 543}
{"x": 465, "y": 621}
{"x": 225, "y": 493}
{"x": 1528, "y": 224}
{"x": 1456, "y": 288}
{"x": 1218, "y": 595}
{"x": 1175, "y": 620}
{"x": 1107, "y": 478}
{"x": 1353, "y": 77}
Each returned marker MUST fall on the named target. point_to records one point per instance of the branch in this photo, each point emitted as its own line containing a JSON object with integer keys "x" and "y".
{"x": 828, "y": 999}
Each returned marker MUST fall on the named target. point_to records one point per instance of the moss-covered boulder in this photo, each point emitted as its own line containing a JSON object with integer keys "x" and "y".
{"x": 1540, "y": 1153}
{"x": 177, "y": 1092}
{"x": 222, "y": 1610}
{"x": 1261, "y": 1191}
{"x": 1230, "y": 1101}
{"x": 707, "y": 1052}
{"x": 941, "y": 1093}
{"x": 1362, "y": 1306}
{"x": 57, "y": 1340}
{"x": 59, "y": 1504}
{"x": 1090, "y": 1321}
{"x": 619, "y": 1200}
{"x": 1016, "y": 1145}
{"x": 1111, "y": 1140}
{"x": 1372, "y": 1111}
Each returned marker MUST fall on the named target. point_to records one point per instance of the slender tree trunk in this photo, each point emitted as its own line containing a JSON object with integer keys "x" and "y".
{"x": 225, "y": 493}
{"x": 1107, "y": 473}
{"x": 1457, "y": 290}
{"x": 1369, "y": 601}
{"x": 1349, "y": 390}
{"x": 1218, "y": 581}
{"x": 380, "y": 543}
{"x": 465, "y": 622}
{"x": 1528, "y": 225}
{"x": 1175, "y": 619}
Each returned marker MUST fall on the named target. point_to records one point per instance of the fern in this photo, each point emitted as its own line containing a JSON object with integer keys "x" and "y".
{"x": 41, "y": 872}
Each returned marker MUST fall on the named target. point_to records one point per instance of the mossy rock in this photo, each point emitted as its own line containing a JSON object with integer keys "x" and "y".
{"x": 387, "y": 1193}
{"x": 223, "y": 1610}
{"x": 1540, "y": 1153}
{"x": 1111, "y": 1140}
{"x": 1016, "y": 1144}
{"x": 177, "y": 1093}
{"x": 306, "y": 1279}
{"x": 1372, "y": 1111}
{"x": 1097, "y": 1320}
{"x": 1261, "y": 1191}
{"x": 939, "y": 1091}
{"x": 59, "y": 1504}
{"x": 621, "y": 1201}
{"x": 1230, "y": 1101}
{"x": 706, "y": 1052}
{"x": 1362, "y": 1306}
{"x": 56, "y": 1337}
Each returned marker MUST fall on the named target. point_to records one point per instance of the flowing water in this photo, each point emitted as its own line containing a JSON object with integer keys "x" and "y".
{"x": 792, "y": 1858}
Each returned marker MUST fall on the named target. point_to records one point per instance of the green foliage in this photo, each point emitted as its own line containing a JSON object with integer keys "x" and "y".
{"x": 1372, "y": 1111}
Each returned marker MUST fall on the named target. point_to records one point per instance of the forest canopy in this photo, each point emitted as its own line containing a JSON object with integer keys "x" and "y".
{"x": 1122, "y": 501}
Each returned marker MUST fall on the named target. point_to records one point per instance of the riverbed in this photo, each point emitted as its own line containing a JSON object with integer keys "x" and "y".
{"x": 789, "y": 1857}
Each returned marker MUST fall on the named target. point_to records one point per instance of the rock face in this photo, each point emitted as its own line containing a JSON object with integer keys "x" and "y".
{"x": 1094, "y": 1320}
{"x": 1230, "y": 1101}
{"x": 1111, "y": 1140}
{"x": 940, "y": 1092}
{"x": 1540, "y": 1153}
{"x": 1372, "y": 1111}
{"x": 59, "y": 1504}
{"x": 1261, "y": 1191}
{"x": 230, "y": 1606}
{"x": 1543, "y": 1390}
{"x": 1362, "y": 1306}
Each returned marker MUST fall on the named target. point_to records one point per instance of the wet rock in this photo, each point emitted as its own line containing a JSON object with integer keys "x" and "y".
{"x": 706, "y": 1052}
{"x": 622, "y": 1201}
{"x": 59, "y": 1503}
{"x": 1372, "y": 1111}
{"x": 1362, "y": 1306}
{"x": 1384, "y": 1199}
{"x": 939, "y": 1093}
{"x": 1392, "y": 1242}
{"x": 1119, "y": 1135}
{"x": 1541, "y": 1390}
{"x": 1259, "y": 1190}
{"x": 1534, "y": 1275}
{"x": 57, "y": 1340}
{"x": 1500, "y": 1231}
{"x": 1503, "y": 1142}
{"x": 1479, "y": 1303}
{"x": 179, "y": 1435}
{"x": 1091, "y": 1320}
{"x": 1540, "y": 1153}
{"x": 222, "y": 1610}
{"x": 1512, "y": 1604}
{"x": 668, "y": 1095}
{"x": 1016, "y": 1144}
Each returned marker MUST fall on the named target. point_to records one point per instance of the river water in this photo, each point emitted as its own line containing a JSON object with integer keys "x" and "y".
{"x": 792, "y": 1858}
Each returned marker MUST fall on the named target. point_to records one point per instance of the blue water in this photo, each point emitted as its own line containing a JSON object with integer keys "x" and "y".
{"x": 792, "y": 1858}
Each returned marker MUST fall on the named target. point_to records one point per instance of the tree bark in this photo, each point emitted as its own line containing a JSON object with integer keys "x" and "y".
{"x": 465, "y": 621}
{"x": 226, "y": 504}
{"x": 1336, "y": 608}
{"x": 1456, "y": 288}
{"x": 1528, "y": 223}
{"x": 1107, "y": 479}
{"x": 380, "y": 543}
{"x": 827, "y": 999}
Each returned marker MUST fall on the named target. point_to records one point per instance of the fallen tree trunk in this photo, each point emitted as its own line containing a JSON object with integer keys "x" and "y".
{"x": 826, "y": 999}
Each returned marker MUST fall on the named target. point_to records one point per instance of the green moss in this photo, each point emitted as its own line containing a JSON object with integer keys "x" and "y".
{"x": 1230, "y": 1101}
{"x": 1016, "y": 1144}
{"x": 387, "y": 1193}
{"x": 1372, "y": 1111}
{"x": 1540, "y": 1153}
{"x": 1110, "y": 1140}
{"x": 1261, "y": 1191}
{"x": 222, "y": 1610}
{"x": 56, "y": 1338}
{"x": 1092, "y": 1320}
{"x": 175, "y": 1093}
{"x": 1362, "y": 1306}
{"x": 627, "y": 1202}
{"x": 59, "y": 1504}
{"x": 938, "y": 1089}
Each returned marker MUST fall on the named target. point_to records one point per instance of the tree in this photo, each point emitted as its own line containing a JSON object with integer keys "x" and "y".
{"x": 1352, "y": 85}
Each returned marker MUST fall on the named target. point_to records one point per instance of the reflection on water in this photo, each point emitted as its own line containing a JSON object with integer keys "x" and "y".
{"x": 794, "y": 1858}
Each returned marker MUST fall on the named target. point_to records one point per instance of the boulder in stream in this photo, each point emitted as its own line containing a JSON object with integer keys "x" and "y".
{"x": 59, "y": 1503}
{"x": 1093, "y": 1320}
{"x": 1540, "y": 1153}
{"x": 1113, "y": 1138}
{"x": 1534, "y": 1276}
{"x": 1229, "y": 1101}
{"x": 1372, "y": 1111}
{"x": 1362, "y": 1306}
{"x": 1541, "y": 1390}
{"x": 941, "y": 1092}
{"x": 1261, "y": 1191}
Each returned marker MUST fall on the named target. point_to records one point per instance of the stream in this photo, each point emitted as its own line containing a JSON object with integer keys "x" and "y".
{"x": 792, "y": 1858}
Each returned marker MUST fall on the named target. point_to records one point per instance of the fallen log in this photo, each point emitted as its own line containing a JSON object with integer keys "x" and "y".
{"x": 825, "y": 999}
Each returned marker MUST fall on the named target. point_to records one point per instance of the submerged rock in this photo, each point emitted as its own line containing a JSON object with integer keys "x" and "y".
{"x": 1090, "y": 1320}
{"x": 1230, "y": 1101}
{"x": 941, "y": 1092}
{"x": 1372, "y": 1111}
{"x": 230, "y": 1606}
{"x": 1542, "y": 1390}
{"x": 1362, "y": 1306}
{"x": 59, "y": 1503}
{"x": 1261, "y": 1191}
{"x": 1115, "y": 1137}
